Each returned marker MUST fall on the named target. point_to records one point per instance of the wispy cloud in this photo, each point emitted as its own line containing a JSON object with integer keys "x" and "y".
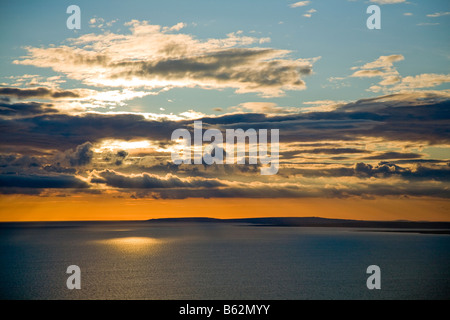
{"x": 299, "y": 4}
{"x": 428, "y": 24}
{"x": 438, "y": 14}
{"x": 309, "y": 13}
{"x": 101, "y": 23}
{"x": 264, "y": 107}
{"x": 388, "y": 1}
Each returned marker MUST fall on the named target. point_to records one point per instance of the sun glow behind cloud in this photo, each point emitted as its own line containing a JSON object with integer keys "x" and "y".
{"x": 114, "y": 145}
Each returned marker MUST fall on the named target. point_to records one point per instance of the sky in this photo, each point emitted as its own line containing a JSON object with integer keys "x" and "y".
{"x": 87, "y": 115}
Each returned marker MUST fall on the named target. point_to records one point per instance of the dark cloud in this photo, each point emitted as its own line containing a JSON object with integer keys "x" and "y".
{"x": 81, "y": 156}
{"x": 422, "y": 123}
{"x": 25, "y": 109}
{"x": 38, "y": 93}
{"x": 394, "y": 155}
{"x": 47, "y": 150}
{"x": 248, "y": 192}
{"x": 60, "y": 162}
{"x": 150, "y": 181}
{"x": 382, "y": 170}
{"x": 41, "y": 182}
{"x": 120, "y": 156}
{"x": 58, "y": 168}
{"x": 25, "y": 161}
{"x": 417, "y": 121}
{"x": 333, "y": 151}
{"x": 64, "y": 131}
{"x": 238, "y": 65}
{"x": 364, "y": 190}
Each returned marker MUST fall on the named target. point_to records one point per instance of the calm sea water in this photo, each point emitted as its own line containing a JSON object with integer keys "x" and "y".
{"x": 139, "y": 260}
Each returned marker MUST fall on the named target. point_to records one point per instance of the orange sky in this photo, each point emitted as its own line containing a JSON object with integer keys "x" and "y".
{"x": 107, "y": 207}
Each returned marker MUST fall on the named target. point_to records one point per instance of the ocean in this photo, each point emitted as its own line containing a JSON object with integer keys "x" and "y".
{"x": 167, "y": 261}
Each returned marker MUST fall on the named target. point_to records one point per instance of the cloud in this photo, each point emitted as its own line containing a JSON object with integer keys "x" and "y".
{"x": 394, "y": 155}
{"x": 419, "y": 116}
{"x": 382, "y": 67}
{"x": 40, "y": 182}
{"x": 64, "y": 131}
{"x": 309, "y": 13}
{"x": 438, "y": 14}
{"x": 98, "y": 22}
{"x": 332, "y": 151}
{"x": 321, "y": 152}
{"x": 177, "y": 27}
{"x": 392, "y": 81}
{"x": 383, "y": 62}
{"x": 151, "y": 181}
{"x": 120, "y": 156}
{"x": 40, "y": 93}
{"x": 265, "y": 107}
{"x": 382, "y": 170}
{"x": 368, "y": 73}
{"x": 361, "y": 185}
{"x": 25, "y": 109}
{"x": 299, "y": 4}
{"x": 388, "y": 1}
{"x": 73, "y": 100}
{"x": 426, "y": 80}
{"x": 155, "y": 57}
{"x": 322, "y": 105}
{"x": 81, "y": 156}
{"x": 32, "y": 80}
{"x": 418, "y": 172}
{"x": 428, "y": 24}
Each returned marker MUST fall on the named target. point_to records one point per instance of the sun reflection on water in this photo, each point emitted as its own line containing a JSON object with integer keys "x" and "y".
{"x": 132, "y": 244}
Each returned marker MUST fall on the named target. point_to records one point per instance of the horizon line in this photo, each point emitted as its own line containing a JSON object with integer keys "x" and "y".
{"x": 223, "y": 219}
